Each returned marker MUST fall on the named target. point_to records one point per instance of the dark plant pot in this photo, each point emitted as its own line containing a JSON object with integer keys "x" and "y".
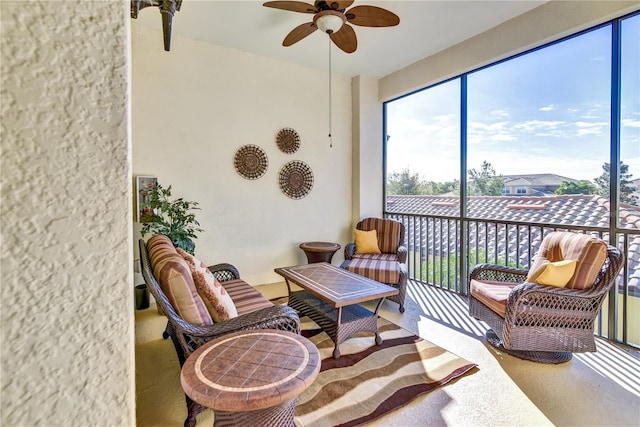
{"x": 141, "y": 297}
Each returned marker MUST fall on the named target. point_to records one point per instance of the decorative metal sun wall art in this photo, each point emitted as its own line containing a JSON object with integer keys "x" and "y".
{"x": 288, "y": 140}
{"x": 251, "y": 161}
{"x": 296, "y": 179}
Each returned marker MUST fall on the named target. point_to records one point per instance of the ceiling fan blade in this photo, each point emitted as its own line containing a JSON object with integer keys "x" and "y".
{"x": 345, "y": 39}
{"x": 371, "y": 16}
{"x": 298, "y": 33}
{"x": 339, "y": 5}
{"x": 293, "y": 6}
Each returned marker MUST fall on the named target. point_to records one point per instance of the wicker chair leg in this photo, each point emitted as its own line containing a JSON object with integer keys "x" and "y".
{"x": 551, "y": 357}
{"x": 398, "y": 300}
{"x": 193, "y": 409}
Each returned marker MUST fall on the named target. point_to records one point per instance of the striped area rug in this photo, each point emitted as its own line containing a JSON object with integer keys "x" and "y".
{"x": 369, "y": 381}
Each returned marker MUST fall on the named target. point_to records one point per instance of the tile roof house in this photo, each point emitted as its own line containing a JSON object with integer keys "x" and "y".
{"x": 533, "y": 184}
{"x": 557, "y": 210}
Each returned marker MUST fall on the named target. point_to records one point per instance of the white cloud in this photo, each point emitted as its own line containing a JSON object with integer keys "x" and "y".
{"x": 630, "y": 123}
{"x": 444, "y": 118}
{"x": 533, "y": 125}
{"x": 499, "y": 113}
{"x": 492, "y": 127}
{"x": 483, "y": 132}
{"x": 590, "y": 124}
{"x": 550, "y": 107}
{"x": 589, "y": 131}
{"x": 503, "y": 137}
{"x": 590, "y": 128}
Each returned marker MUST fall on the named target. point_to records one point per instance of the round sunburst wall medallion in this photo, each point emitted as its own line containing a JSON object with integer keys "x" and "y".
{"x": 296, "y": 179}
{"x": 288, "y": 140}
{"x": 251, "y": 161}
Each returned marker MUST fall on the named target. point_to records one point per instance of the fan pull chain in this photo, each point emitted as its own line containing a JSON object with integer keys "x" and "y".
{"x": 330, "y": 137}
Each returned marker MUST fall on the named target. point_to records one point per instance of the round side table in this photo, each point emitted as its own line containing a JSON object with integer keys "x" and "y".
{"x": 251, "y": 378}
{"x": 319, "y": 251}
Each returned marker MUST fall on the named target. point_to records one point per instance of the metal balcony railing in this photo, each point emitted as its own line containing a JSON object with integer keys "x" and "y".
{"x": 437, "y": 246}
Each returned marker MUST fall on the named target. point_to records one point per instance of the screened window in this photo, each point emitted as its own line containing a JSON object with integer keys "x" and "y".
{"x": 629, "y": 120}
{"x": 542, "y": 117}
{"x": 536, "y": 135}
{"x": 423, "y": 146}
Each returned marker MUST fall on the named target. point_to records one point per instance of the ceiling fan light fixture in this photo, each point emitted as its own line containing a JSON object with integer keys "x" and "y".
{"x": 329, "y": 21}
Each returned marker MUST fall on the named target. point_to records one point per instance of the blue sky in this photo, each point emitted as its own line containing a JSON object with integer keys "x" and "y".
{"x": 544, "y": 112}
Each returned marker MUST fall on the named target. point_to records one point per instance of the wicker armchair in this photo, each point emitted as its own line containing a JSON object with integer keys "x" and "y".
{"x": 388, "y": 267}
{"x": 188, "y": 337}
{"x": 540, "y": 323}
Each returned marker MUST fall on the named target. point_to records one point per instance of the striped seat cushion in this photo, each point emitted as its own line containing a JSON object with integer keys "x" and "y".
{"x": 174, "y": 276}
{"x": 388, "y": 230}
{"x": 377, "y": 257}
{"x": 492, "y": 294}
{"x": 589, "y": 251}
{"x": 376, "y": 267}
{"x": 245, "y": 297}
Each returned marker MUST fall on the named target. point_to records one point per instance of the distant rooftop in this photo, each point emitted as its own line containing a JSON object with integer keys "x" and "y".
{"x": 537, "y": 179}
{"x": 566, "y": 209}
{"x": 569, "y": 209}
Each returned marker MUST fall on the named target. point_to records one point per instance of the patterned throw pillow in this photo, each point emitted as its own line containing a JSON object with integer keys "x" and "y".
{"x": 215, "y": 297}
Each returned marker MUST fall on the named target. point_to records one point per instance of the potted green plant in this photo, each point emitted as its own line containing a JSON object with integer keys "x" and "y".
{"x": 172, "y": 218}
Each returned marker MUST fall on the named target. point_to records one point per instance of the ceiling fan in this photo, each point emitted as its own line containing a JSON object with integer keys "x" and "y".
{"x": 332, "y": 18}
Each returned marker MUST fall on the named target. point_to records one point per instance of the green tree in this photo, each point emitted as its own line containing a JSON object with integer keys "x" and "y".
{"x": 405, "y": 182}
{"x": 446, "y": 187}
{"x": 579, "y": 187}
{"x": 626, "y": 190}
{"x": 485, "y": 182}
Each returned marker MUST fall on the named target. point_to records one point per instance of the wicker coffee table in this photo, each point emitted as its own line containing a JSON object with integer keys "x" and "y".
{"x": 330, "y": 297}
{"x": 251, "y": 378}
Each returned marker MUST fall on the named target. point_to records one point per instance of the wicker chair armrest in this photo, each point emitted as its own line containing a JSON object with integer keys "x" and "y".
{"x": 349, "y": 251}
{"x": 224, "y": 272}
{"x": 402, "y": 254}
{"x": 498, "y": 273}
{"x": 276, "y": 317}
{"x": 530, "y": 298}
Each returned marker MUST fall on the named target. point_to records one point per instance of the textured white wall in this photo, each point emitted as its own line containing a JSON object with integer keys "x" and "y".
{"x": 67, "y": 310}
{"x": 195, "y": 106}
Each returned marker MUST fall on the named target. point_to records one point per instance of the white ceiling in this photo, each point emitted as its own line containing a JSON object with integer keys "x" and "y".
{"x": 426, "y": 27}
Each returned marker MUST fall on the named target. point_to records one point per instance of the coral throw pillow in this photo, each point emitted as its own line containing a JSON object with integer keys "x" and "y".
{"x": 217, "y": 300}
{"x": 366, "y": 242}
